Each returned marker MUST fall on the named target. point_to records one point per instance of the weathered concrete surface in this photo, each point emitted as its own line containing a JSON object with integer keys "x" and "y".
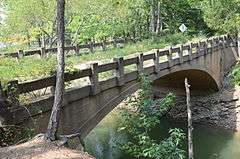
{"x": 221, "y": 109}
{"x": 82, "y": 112}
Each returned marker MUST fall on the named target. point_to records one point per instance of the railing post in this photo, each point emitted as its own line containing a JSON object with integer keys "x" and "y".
{"x": 140, "y": 63}
{"x": 225, "y": 41}
{"x": 190, "y": 52}
{"x": 181, "y": 54}
{"x": 212, "y": 45}
{"x": 205, "y": 47}
{"x": 20, "y": 53}
{"x": 120, "y": 70}
{"x": 114, "y": 42}
{"x": 156, "y": 62}
{"x": 95, "y": 88}
{"x": 12, "y": 92}
{"x": 43, "y": 52}
{"x": 2, "y": 96}
{"x": 198, "y": 48}
{"x": 169, "y": 57}
{"x": 238, "y": 42}
{"x": 104, "y": 45}
{"x": 77, "y": 49}
{"x": 91, "y": 46}
{"x": 217, "y": 43}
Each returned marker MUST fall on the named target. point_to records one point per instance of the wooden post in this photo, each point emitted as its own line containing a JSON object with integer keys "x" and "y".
{"x": 120, "y": 71}
{"x": 156, "y": 62}
{"x": 140, "y": 63}
{"x": 190, "y": 52}
{"x": 181, "y": 54}
{"x": 95, "y": 88}
{"x": 169, "y": 57}
{"x": 43, "y": 52}
{"x": 20, "y": 53}
{"x": 190, "y": 128}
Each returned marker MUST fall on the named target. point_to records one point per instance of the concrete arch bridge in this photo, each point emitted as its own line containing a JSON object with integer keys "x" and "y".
{"x": 203, "y": 63}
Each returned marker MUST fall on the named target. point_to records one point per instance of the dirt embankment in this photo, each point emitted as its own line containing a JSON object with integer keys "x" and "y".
{"x": 221, "y": 109}
{"x": 37, "y": 148}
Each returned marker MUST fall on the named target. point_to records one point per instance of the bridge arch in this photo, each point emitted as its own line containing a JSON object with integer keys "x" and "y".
{"x": 201, "y": 81}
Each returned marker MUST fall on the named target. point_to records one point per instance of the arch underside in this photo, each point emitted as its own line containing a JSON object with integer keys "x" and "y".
{"x": 199, "y": 80}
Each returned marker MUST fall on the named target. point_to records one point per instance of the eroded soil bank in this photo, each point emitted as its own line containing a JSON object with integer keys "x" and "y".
{"x": 37, "y": 148}
{"x": 221, "y": 109}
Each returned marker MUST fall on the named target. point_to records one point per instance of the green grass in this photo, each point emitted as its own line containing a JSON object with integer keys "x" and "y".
{"x": 33, "y": 67}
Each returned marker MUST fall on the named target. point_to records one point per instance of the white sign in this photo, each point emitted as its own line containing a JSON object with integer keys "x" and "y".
{"x": 183, "y": 28}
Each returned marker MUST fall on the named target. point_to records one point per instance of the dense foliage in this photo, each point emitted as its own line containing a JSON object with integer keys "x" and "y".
{"x": 12, "y": 134}
{"x": 32, "y": 22}
{"x": 235, "y": 74}
{"x": 145, "y": 116}
{"x": 221, "y": 15}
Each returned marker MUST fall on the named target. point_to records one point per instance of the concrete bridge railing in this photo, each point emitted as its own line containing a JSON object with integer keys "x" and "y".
{"x": 85, "y": 106}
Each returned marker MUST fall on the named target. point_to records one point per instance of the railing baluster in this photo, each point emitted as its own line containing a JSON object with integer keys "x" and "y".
{"x": 77, "y": 49}
{"x": 156, "y": 62}
{"x": 205, "y": 47}
{"x": 104, "y": 45}
{"x": 43, "y": 52}
{"x": 120, "y": 71}
{"x": 13, "y": 92}
{"x": 20, "y": 53}
{"x": 140, "y": 63}
{"x": 190, "y": 52}
{"x": 91, "y": 46}
{"x": 169, "y": 57}
{"x": 1, "y": 93}
{"x": 95, "y": 88}
{"x": 181, "y": 54}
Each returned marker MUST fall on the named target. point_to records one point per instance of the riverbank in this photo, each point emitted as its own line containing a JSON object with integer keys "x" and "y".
{"x": 220, "y": 109}
{"x": 37, "y": 148}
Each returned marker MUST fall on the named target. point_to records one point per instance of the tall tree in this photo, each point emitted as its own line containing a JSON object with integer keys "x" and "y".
{"x": 59, "y": 91}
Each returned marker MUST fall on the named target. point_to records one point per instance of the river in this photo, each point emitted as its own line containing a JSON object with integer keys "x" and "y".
{"x": 209, "y": 142}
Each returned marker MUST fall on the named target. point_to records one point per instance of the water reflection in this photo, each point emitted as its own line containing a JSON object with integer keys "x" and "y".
{"x": 209, "y": 142}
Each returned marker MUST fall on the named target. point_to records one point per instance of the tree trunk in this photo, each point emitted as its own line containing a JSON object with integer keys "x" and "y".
{"x": 152, "y": 18}
{"x": 59, "y": 91}
{"x": 159, "y": 19}
{"x": 238, "y": 42}
{"x": 190, "y": 128}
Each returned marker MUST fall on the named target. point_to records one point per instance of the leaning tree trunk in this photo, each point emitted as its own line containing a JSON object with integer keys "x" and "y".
{"x": 59, "y": 91}
{"x": 190, "y": 128}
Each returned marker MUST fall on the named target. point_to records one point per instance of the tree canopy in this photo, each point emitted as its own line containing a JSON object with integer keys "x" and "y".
{"x": 33, "y": 21}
